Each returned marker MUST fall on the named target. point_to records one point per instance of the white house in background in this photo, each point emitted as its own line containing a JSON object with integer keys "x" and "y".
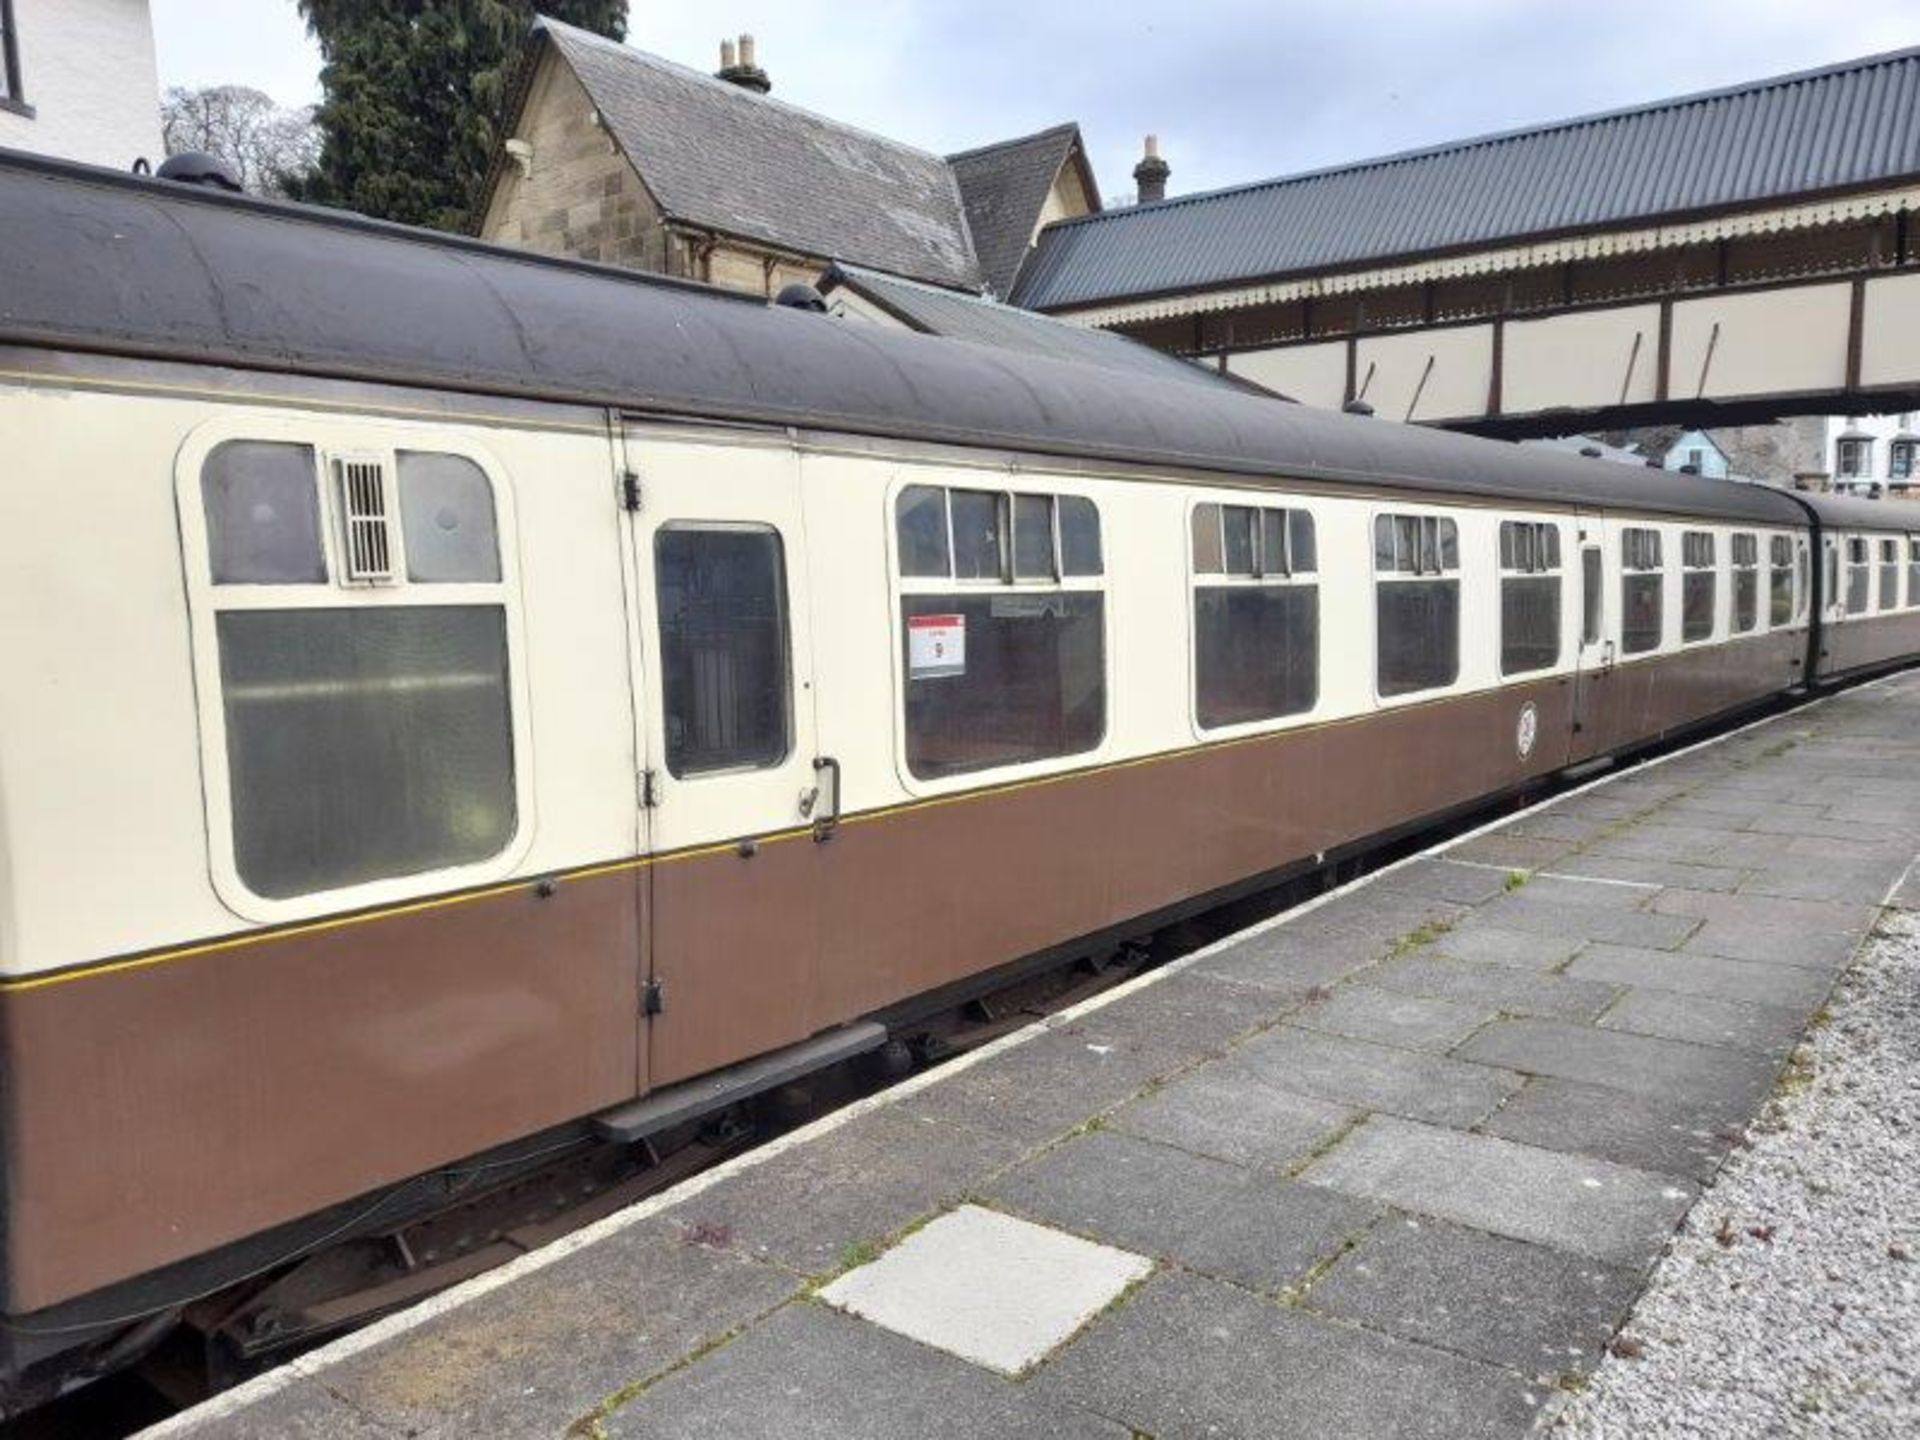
{"x": 1875, "y": 455}
{"x": 78, "y": 80}
{"x": 1696, "y": 450}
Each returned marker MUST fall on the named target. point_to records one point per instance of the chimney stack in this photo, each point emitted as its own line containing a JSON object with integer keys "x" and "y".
{"x": 740, "y": 69}
{"x": 1151, "y": 173}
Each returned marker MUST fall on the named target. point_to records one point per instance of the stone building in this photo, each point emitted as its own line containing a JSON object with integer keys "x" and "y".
{"x": 622, "y": 157}
{"x": 78, "y": 80}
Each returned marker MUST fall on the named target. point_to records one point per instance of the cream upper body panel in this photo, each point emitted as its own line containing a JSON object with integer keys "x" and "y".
{"x": 112, "y": 825}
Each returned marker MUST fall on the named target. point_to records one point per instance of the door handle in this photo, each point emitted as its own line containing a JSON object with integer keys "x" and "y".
{"x": 824, "y": 825}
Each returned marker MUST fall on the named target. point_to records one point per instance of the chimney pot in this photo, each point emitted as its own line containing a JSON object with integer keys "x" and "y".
{"x": 1151, "y": 173}
{"x": 738, "y": 67}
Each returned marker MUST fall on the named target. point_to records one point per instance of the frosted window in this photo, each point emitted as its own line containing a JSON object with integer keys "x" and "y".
{"x": 263, "y": 514}
{"x": 365, "y": 743}
{"x": 446, "y": 508}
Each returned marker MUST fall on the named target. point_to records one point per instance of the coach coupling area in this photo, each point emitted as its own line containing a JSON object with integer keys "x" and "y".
{"x": 1397, "y": 1163}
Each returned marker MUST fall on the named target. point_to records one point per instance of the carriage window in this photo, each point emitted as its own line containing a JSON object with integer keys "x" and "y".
{"x": 1529, "y": 597}
{"x": 1889, "y": 574}
{"x": 446, "y": 512}
{"x": 369, "y": 735}
{"x": 1256, "y": 626}
{"x": 1698, "y": 586}
{"x": 1780, "y": 596}
{"x": 1745, "y": 551}
{"x": 920, "y": 520}
{"x": 262, "y": 502}
{"x": 1592, "y": 604}
{"x": 1859, "y": 575}
{"x": 1913, "y": 570}
{"x": 1013, "y": 670}
{"x": 1641, "y": 585}
{"x": 724, "y": 672}
{"x": 1416, "y": 562}
{"x": 9, "y": 56}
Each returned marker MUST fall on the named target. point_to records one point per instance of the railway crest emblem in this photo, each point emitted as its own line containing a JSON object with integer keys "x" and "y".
{"x": 1527, "y": 730}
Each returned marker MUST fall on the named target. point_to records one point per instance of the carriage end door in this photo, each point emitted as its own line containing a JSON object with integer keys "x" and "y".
{"x": 732, "y": 791}
{"x": 1595, "y": 705}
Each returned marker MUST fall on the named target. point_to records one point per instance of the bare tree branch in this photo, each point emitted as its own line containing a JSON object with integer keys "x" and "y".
{"x": 266, "y": 144}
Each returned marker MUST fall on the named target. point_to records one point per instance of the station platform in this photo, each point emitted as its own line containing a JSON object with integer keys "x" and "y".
{"x": 1395, "y": 1163}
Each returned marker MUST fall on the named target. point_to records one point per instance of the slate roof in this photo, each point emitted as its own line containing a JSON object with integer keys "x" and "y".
{"x": 727, "y": 159}
{"x": 1004, "y": 187}
{"x": 984, "y": 321}
{"x": 1794, "y": 136}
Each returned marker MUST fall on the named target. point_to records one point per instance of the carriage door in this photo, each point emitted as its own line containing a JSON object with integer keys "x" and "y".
{"x": 727, "y": 711}
{"x": 1595, "y": 706}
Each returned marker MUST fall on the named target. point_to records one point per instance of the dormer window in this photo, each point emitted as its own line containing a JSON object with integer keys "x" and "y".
{"x": 1901, "y": 456}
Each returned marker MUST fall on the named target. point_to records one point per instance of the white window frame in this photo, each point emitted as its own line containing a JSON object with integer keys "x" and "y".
{"x": 1671, "y": 594}
{"x": 900, "y": 587}
{"x": 1458, "y": 574}
{"x": 330, "y": 438}
{"x": 1252, "y": 500}
{"x": 1558, "y": 570}
{"x": 1713, "y": 567}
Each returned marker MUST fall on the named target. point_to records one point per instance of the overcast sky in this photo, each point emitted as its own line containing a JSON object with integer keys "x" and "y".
{"x": 1237, "y": 89}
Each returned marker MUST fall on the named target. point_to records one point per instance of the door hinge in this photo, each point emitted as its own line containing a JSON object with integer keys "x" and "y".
{"x": 650, "y": 1001}
{"x": 630, "y": 489}
{"x": 649, "y": 789}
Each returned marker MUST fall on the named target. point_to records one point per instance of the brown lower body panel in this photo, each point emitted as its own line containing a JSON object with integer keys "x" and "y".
{"x": 156, "y": 1113}
{"x": 1869, "y": 641}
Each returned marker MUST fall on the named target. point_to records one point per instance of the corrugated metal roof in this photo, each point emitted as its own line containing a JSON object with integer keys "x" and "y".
{"x": 93, "y": 260}
{"x": 1004, "y": 187}
{"x": 1792, "y": 137}
{"x": 728, "y": 159}
{"x": 975, "y": 318}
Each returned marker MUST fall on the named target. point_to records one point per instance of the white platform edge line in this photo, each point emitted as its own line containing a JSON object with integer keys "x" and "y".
{"x": 317, "y": 1361}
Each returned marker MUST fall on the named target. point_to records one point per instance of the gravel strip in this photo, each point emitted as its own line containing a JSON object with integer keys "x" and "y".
{"x": 1789, "y": 1303}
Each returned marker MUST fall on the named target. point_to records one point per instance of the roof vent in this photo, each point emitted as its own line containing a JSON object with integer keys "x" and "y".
{"x": 801, "y": 296}
{"x": 197, "y": 167}
{"x": 1151, "y": 173}
{"x": 1592, "y": 452}
{"x": 739, "y": 68}
{"x": 1357, "y": 407}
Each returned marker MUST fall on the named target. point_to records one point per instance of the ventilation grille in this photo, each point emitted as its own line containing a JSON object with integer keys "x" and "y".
{"x": 366, "y": 511}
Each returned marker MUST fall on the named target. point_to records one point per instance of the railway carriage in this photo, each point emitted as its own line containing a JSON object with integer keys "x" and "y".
{"x": 457, "y": 703}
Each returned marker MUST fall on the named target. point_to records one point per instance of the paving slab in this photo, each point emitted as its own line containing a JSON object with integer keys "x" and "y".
{"x": 1378, "y": 1077}
{"x": 1565, "y": 921}
{"x": 1234, "y": 1112}
{"x": 1562, "y": 888}
{"x": 850, "y": 1188}
{"x": 1693, "y": 973}
{"x": 991, "y": 1288}
{"x": 1666, "y": 1135}
{"x": 1718, "y": 1080}
{"x": 1514, "y": 852}
{"x": 1504, "y": 1301}
{"x": 1187, "y": 1356}
{"x": 1252, "y": 1229}
{"x": 1462, "y": 882}
{"x": 1503, "y": 988}
{"x": 1575, "y": 1203}
{"x": 600, "y": 1320}
{"x": 1775, "y": 944}
{"x": 1488, "y": 944}
{"x": 1655, "y": 873}
{"x": 1387, "y": 1017}
{"x": 811, "y": 1373}
{"x": 1771, "y": 1030}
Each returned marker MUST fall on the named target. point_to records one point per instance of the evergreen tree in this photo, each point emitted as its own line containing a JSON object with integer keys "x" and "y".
{"x": 414, "y": 93}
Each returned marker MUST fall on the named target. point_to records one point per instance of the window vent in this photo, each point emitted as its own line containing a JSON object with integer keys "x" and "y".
{"x": 366, "y": 513}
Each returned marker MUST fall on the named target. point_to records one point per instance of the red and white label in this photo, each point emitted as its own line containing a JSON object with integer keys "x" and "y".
{"x": 936, "y": 645}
